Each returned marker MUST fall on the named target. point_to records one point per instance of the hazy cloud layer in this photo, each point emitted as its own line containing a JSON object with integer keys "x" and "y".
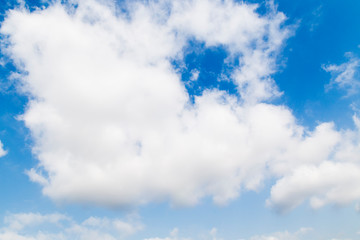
{"x": 35, "y": 226}
{"x": 286, "y": 235}
{"x": 56, "y": 226}
{"x": 112, "y": 121}
{"x": 213, "y": 235}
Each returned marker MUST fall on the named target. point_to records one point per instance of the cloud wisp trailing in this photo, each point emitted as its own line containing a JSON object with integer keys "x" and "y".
{"x": 345, "y": 76}
{"x": 113, "y": 125}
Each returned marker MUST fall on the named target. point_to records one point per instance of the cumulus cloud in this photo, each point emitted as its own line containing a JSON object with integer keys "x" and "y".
{"x": 111, "y": 118}
{"x": 31, "y": 226}
{"x": 113, "y": 124}
{"x": 345, "y": 75}
{"x": 327, "y": 183}
{"x": 2, "y": 151}
{"x": 332, "y": 180}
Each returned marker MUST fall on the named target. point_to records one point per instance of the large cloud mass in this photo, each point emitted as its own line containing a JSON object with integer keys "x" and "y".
{"x": 113, "y": 123}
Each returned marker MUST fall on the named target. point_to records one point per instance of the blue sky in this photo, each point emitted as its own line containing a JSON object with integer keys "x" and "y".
{"x": 174, "y": 120}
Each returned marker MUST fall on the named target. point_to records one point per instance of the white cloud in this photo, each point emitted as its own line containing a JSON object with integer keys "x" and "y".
{"x": 111, "y": 119}
{"x": 110, "y": 116}
{"x": 3, "y": 152}
{"x": 346, "y": 75}
{"x": 31, "y": 226}
{"x": 194, "y": 75}
{"x": 330, "y": 180}
{"x": 327, "y": 183}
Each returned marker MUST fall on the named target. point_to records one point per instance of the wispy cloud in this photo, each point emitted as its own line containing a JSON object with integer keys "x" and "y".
{"x": 345, "y": 76}
{"x": 315, "y": 18}
{"x": 31, "y": 226}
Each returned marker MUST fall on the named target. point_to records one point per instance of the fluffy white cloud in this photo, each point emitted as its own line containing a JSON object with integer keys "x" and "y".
{"x": 111, "y": 118}
{"x": 327, "y": 183}
{"x": 113, "y": 125}
{"x": 3, "y": 152}
{"x": 346, "y": 75}
{"x": 332, "y": 179}
{"x": 35, "y": 226}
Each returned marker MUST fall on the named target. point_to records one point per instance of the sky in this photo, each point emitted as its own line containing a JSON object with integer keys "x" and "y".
{"x": 179, "y": 120}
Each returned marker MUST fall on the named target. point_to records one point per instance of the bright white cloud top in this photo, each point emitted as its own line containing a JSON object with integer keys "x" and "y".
{"x": 113, "y": 124}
